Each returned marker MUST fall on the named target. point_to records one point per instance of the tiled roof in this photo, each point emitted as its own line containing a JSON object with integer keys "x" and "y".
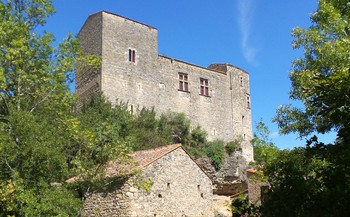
{"x": 142, "y": 159}
{"x": 147, "y": 157}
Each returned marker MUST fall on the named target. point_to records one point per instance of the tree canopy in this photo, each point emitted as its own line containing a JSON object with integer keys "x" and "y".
{"x": 265, "y": 151}
{"x": 314, "y": 181}
{"x": 41, "y": 140}
{"x": 321, "y": 78}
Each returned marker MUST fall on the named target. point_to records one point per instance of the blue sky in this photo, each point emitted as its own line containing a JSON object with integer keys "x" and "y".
{"x": 254, "y": 35}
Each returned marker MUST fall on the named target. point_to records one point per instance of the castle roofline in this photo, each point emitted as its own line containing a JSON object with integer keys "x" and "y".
{"x": 117, "y": 15}
{"x": 191, "y": 64}
{"x": 221, "y": 71}
{"x": 223, "y": 67}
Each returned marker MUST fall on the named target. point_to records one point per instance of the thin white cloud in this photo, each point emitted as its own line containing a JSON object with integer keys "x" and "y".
{"x": 274, "y": 134}
{"x": 245, "y": 21}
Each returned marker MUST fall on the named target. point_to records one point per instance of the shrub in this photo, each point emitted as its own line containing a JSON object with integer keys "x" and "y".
{"x": 215, "y": 150}
{"x": 198, "y": 137}
{"x": 180, "y": 126}
{"x": 242, "y": 207}
{"x": 232, "y": 146}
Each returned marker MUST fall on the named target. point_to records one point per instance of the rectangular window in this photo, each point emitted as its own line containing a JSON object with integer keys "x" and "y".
{"x": 204, "y": 87}
{"x": 183, "y": 82}
{"x": 132, "y": 55}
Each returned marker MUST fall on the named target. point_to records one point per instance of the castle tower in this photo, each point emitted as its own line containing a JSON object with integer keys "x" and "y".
{"x": 217, "y": 98}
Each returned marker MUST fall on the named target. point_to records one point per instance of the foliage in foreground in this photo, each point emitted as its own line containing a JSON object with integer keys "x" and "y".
{"x": 315, "y": 180}
{"x": 37, "y": 128}
{"x": 321, "y": 79}
{"x": 42, "y": 143}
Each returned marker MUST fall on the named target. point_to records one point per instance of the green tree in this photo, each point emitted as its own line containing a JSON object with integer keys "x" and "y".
{"x": 316, "y": 178}
{"x": 265, "y": 151}
{"x": 310, "y": 181}
{"x": 148, "y": 131}
{"x": 179, "y": 127}
{"x": 39, "y": 133}
{"x": 321, "y": 79}
{"x": 107, "y": 128}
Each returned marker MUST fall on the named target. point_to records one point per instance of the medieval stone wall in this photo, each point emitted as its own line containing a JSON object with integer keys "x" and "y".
{"x": 180, "y": 188}
{"x": 151, "y": 80}
{"x": 88, "y": 79}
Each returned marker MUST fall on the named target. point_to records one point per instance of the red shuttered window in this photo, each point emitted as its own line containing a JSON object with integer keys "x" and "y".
{"x": 204, "y": 87}
{"x": 183, "y": 82}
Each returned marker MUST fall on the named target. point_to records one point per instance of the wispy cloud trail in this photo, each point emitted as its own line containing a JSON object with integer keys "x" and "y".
{"x": 245, "y": 22}
{"x": 274, "y": 134}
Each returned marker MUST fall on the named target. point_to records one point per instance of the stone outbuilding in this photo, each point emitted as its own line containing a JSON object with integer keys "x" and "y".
{"x": 177, "y": 186}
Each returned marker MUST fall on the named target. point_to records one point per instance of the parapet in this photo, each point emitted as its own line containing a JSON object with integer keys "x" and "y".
{"x": 224, "y": 67}
{"x": 218, "y": 67}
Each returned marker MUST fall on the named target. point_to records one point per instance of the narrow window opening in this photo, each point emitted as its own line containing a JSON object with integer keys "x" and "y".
{"x": 139, "y": 86}
{"x": 242, "y": 120}
{"x": 204, "y": 87}
{"x": 202, "y": 195}
{"x": 168, "y": 185}
{"x": 198, "y": 187}
{"x": 248, "y": 102}
{"x": 132, "y": 55}
{"x": 160, "y": 196}
{"x": 241, "y": 81}
{"x": 131, "y": 109}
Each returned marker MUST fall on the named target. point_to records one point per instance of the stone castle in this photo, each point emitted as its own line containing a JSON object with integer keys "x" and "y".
{"x": 216, "y": 98}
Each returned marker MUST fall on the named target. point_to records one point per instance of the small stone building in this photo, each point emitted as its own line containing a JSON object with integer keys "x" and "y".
{"x": 179, "y": 188}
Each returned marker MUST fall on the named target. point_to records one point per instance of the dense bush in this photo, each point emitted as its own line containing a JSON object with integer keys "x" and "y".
{"x": 232, "y": 146}
{"x": 215, "y": 150}
{"x": 144, "y": 130}
{"x": 241, "y": 207}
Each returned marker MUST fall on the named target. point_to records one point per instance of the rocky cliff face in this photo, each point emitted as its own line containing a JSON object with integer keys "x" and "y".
{"x": 231, "y": 178}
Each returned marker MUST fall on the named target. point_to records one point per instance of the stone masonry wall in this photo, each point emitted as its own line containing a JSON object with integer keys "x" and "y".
{"x": 88, "y": 79}
{"x": 180, "y": 188}
{"x": 108, "y": 203}
{"x": 153, "y": 80}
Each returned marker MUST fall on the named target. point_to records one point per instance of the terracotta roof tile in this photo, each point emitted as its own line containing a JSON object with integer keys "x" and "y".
{"x": 141, "y": 158}
{"x": 147, "y": 157}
